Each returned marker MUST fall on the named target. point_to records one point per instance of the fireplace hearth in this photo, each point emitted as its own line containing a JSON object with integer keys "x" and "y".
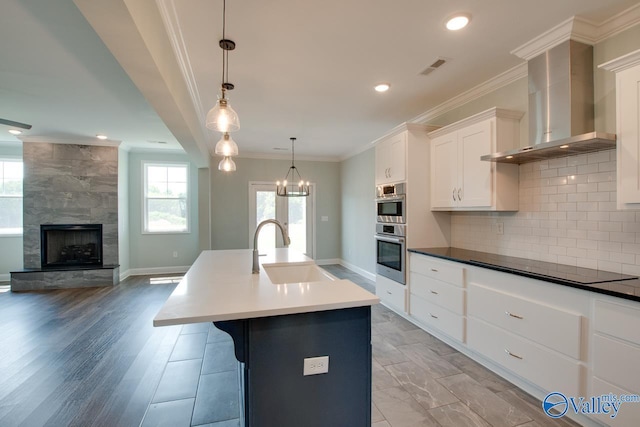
{"x": 70, "y": 245}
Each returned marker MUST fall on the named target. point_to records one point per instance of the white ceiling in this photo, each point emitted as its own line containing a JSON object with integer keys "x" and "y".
{"x": 148, "y": 70}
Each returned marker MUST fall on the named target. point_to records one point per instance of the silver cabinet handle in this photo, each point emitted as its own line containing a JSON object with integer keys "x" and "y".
{"x": 459, "y": 189}
{"x": 434, "y": 292}
{"x": 389, "y": 293}
{"x": 512, "y": 355}
{"x": 390, "y": 173}
{"x": 434, "y": 316}
{"x": 434, "y": 270}
{"x": 453, "y": 194}
{"x": 513, "y": 315}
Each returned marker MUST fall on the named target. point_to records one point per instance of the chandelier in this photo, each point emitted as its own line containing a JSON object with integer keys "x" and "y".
{"x": 293, "y": 184}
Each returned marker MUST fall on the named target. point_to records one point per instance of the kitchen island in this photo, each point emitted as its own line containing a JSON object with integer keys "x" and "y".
{"x": 289, "y": 312}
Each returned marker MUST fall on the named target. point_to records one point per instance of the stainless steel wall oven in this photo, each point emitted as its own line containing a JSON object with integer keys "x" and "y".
{"x": 391, "y": 251}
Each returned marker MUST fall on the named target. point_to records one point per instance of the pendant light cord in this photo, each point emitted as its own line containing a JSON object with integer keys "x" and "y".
{"x": 292, "y": 153}
{"x": 224, "y": 52}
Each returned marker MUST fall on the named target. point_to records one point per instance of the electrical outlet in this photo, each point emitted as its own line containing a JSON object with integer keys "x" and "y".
{"x": 175, "y": 254}
{"x": 316, "y": 365}
{"x": 499, "y": 228}
{"x": 324, "y": 218}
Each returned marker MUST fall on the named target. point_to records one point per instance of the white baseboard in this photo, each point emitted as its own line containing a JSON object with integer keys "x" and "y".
{"x": 5, "y": 277}
{"x": 155, "y": 270}
{"x": 356, "y": 269}
{"x": 124, "y": 275}
{"x": 328, "y": 261}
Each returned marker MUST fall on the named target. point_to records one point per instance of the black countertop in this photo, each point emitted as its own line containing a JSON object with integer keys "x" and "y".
{"x": 604, "y": 282}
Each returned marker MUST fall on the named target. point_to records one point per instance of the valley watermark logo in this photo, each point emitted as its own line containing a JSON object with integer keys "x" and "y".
{"x": 556, "y": 404}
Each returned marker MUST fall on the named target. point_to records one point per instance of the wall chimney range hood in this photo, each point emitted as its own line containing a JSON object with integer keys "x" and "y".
{"x": 561, "y": 107}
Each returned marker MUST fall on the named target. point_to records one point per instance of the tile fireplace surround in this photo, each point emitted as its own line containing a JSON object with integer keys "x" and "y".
{"x": 68, "y": 184}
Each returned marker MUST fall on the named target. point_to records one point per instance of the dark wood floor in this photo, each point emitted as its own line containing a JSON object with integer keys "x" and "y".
{"x": 84, "y": 356}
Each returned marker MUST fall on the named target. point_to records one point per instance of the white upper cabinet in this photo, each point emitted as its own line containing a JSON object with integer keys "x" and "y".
{"x": 459, "y": 179}
{"x": 627, "y": 69}
{"x": 391, "y": 161}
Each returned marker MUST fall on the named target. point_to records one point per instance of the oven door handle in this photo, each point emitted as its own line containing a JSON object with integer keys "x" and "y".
{"x": 390, "y": 239}
{"x": 390, "y": 199}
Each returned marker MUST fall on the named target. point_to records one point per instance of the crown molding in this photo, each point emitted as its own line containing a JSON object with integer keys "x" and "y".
{"x": 516, "y": 73}
{"x": 579, "y": 29}
{"x": 476, "y": 118}
{"x": 70, "y": 141}
{"x": 622, "y": 63}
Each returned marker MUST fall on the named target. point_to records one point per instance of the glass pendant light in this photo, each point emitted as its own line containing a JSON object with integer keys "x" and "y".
{"x": 222, "y": 117}
{"x": 293, "y": 184}
{"x": 226, "y": 147}
{"x": 227, "y": 165}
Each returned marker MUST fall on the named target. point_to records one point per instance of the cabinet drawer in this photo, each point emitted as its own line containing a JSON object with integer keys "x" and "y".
{"x": 444, "y": 271}
{"x": 629, "y": 412}
{"x": 391, "y": 293}
{"x": 618, "y": 321}
{"x": 437, "y": 292}
{"x": 437, "y": 317}
{"x": 557, "y": 329}
{"x": 616, "y": 362}
{"x": 547, "y": 369}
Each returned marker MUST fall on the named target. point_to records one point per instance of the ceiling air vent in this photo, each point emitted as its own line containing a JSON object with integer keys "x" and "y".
{"x": 431, "y": 68}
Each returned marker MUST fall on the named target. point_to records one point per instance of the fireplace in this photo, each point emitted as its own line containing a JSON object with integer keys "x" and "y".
{"x": 71, "y": 245}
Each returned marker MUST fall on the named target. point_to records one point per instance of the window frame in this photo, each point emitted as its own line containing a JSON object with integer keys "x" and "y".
{"x": 15, "y": 159}
{"x": 162, "y": 163}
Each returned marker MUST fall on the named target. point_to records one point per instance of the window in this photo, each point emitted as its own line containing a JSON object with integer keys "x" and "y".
{"x": 166, "y": 198}
{"x": 10, "y": 197}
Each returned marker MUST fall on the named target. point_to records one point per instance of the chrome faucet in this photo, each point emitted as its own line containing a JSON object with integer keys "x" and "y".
{"x": 285, "y": 237}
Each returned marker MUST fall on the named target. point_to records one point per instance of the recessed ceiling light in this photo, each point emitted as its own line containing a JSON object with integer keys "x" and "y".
{"x": 382, "y": 87}
{"x": 15, "y": 131}
{"x": 101, "y": 136}
{"x": 458, "y": 21}
{"x": 564, "y": 146}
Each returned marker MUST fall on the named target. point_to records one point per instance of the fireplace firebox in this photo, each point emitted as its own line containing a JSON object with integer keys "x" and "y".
{"x": 71, "y": 245}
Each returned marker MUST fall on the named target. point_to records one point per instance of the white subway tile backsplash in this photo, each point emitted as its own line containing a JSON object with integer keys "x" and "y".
{"x": 567, "y": 214}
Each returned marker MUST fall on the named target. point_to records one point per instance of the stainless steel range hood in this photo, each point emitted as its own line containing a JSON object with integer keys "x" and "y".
{"x": 561, "y": 107}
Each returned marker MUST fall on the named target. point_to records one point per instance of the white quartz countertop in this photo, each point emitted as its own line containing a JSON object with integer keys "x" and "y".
{"x": 220, "y": 286}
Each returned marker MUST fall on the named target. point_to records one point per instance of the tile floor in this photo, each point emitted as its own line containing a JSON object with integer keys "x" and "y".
{"x": 417, "y": 381}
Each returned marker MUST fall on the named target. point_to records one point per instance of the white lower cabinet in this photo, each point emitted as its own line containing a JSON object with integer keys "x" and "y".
{"x": 543, "y": 367}
{"x": 542, "y": 336}
{"x": 616, "y": 354}
{"x": 437, "y": 295}
{"x": 391, "y": 293}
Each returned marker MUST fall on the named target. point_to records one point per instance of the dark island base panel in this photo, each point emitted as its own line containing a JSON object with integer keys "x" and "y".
{"x": 276, "y": 394}
{"x": 600, "y": 281}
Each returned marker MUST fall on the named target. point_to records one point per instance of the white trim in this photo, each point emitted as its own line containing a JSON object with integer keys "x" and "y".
{"x": 70, "y": 141}
{"x": 356, "y": 269}
{"x": 124, "y": 275}
{"x": 616, "y": 24}
{"x": 162, "y": 163}
{"x": 328, "y": 261}
{"x": 516, "y": 73}
{"x": 476, "y": 118}
{"x": 5, "y": 277}
{"x": 545, "y": 41}
{"x": 622, "y": 63}
{"x": 157, "y": 270}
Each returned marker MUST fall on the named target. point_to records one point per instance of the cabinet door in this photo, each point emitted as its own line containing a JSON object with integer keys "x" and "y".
{"x": 444, "y": 171}
{"x": 398, "y": 148}
{"x": 628, "y": 124}
{"x": 383, "y": 154}
{"x": 474, "y": 175}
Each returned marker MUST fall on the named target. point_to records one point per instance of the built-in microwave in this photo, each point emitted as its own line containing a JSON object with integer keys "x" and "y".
{"x": 390, "y": 203}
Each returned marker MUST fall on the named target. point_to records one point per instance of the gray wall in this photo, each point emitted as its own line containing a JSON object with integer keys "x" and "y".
{"x": 358, "y": 210}
{"x": 230, "y": 201}
{"x": 156, "y": 250}
{"x": 10, "y": 246}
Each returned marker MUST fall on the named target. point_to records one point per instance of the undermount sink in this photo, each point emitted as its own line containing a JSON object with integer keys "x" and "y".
{"x": 296, "y": 273}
